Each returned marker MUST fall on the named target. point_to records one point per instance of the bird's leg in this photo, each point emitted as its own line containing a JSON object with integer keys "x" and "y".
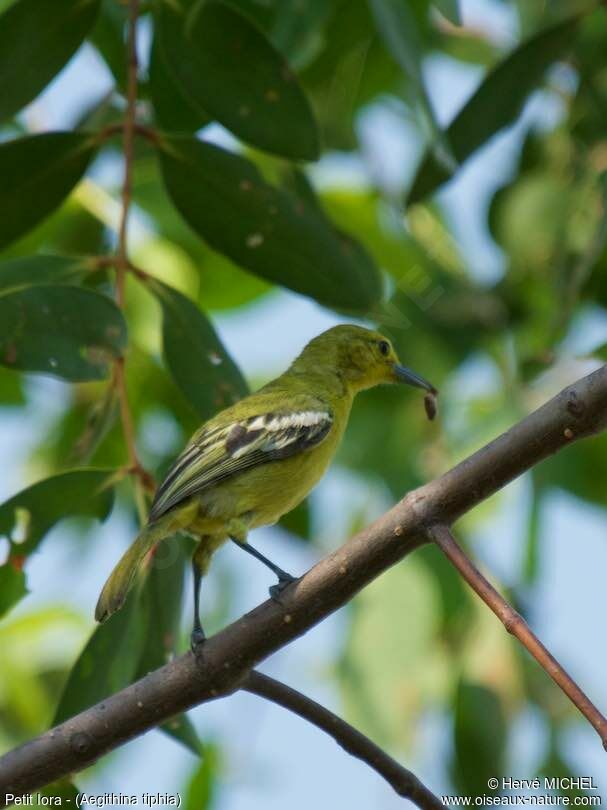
{"x": 200, "y": 562}
{"x": 197, "y": 637}
{"x": 284, "y": 579}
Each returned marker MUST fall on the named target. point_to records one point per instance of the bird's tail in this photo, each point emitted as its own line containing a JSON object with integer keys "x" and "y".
{"x": 119, "y": 582}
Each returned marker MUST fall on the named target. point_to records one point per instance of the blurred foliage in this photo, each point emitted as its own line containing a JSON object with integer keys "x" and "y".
{"x": 392, "y": 668}
{"x": 230, "y": 223}
{"x": 479, "y": 738}
{"x": 201, "y": 789}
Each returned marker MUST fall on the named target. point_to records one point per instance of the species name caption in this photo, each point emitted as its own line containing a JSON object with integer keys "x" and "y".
{"x": 95, "y": 800}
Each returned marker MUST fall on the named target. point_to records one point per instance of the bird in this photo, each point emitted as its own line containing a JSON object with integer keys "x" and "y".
{"x": 256, "y": 460}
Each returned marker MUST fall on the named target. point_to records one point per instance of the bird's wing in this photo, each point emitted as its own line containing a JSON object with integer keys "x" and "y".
{"x": 223, "y": 450}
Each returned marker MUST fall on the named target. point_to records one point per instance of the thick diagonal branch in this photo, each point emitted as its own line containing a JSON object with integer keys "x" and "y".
{"x": 518, "y": 627}
{"x": 227, "y": 658}
{"x": 405, "y": 783}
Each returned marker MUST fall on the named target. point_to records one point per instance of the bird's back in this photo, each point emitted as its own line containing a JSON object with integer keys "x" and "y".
{"x": 288, "y": 418}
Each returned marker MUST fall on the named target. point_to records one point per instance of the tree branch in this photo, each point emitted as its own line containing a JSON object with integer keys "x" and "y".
{"x": 518, "y": 627}
{"x": 226, "y": 659}
{"x": 405, "y": 783}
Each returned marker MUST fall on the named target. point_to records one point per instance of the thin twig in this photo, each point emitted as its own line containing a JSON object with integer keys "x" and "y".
{"x": 128, "y": 136}
{"x": 111, "y": 130}
{"x": 518, "y": 627}
{"x": 140, "y": 475}
{"x": 405, "y": 783}
{"x": 226, "y": 659}
{"x": 122, "y": 263}
{"x": 111, "y": 260}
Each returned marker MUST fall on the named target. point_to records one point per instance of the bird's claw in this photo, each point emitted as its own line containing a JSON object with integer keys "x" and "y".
{"x": 283, "y": 582}
{"x": 197, "y": 639}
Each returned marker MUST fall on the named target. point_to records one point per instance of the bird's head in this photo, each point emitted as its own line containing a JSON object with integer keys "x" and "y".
{"x": 361, "y": 357}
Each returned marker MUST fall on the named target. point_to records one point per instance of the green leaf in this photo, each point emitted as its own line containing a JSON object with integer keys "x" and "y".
{"x": 174, "y": 110}
{"x": 66, "y": 791}
{"x": 457, "y": 611}
{"x": 580, "y": 469}
{"x": 201, "y": 789}
{"x": 436, "y": 314}
{"x": 227, "y": 67}
{"x": 298, "y": 521}
{"x": 107, "y": 663}
{"x": 273, "y": 233}
{"x": 397, "y": 25}
{"x": 200, "y": 365}
{"x": 38, "y": 172}
{"x": 531, "y": 560}
{"x": 162, "y": 598}
{"x": 300, "y": 36}
{"x": 481, "y": 117}
{"x": 100, "y": 419}
{"x": 12, "y": 586}
{"x": 69, "y": 332}
{"x": 352, "y": 68}
{"x": 11, "y": 388}
{"x": 180, "y": 250}
{"x": 450, "y": 10}
{"x": 28, "y": 516}
{"x": 70, "y": 230}
{"x": 36, "y": 40}
{"x": 391, "y": 669}
{"x": 50, "y": 269}
{"x": 479, "y": 738}
{"x": 183, "y": 730}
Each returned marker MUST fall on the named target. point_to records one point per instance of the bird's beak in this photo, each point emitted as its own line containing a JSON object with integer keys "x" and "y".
{"x": 405, "y": 375}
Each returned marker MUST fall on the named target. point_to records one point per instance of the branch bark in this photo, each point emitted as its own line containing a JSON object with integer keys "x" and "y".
{"x": 405, "y": 783}
{"x": 225, "y": 661}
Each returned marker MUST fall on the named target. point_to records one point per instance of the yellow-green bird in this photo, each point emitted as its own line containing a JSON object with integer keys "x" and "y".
{"x": 259, "y": 458}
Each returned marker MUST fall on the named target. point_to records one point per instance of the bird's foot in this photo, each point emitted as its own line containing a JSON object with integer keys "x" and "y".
{"x": 284, "y": 580}
{"x": 197, "y": 639}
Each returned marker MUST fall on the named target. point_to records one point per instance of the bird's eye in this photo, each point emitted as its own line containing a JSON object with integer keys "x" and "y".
{"x": 384, "y": 347}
